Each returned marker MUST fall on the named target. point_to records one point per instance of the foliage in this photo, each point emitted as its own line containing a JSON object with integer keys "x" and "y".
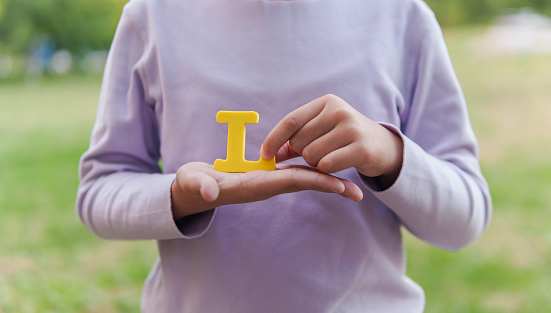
{"x": 454, "y": 12}
{"x": 80, "y": 25}
{"x": 74, "y": 25}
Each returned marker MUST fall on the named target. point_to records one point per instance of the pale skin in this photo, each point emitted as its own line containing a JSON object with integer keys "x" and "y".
{"x": 328, "y": 133}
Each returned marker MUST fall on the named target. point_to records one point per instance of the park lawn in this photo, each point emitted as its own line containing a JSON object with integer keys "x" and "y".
{"x": 49, "y": 262}
{"x": 508, "y": 269}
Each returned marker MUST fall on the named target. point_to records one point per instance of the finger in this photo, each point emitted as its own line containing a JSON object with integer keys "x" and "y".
{"x": 199, "y": 184}
{"x": 340, "y": 159}
{"x": 314, "y": 180}
{"x": 323, "y": 146}
{"x": 312, "y": 130}
{"x": 209, "y": 189}
{"x": 352, "y": 191}
{"x": 291, "y": 178}
{"x": 285, "y": 153}
{"x": 288, "y": 126}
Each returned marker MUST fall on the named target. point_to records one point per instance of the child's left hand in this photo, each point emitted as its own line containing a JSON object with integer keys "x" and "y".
{"x": 332, "y": 136}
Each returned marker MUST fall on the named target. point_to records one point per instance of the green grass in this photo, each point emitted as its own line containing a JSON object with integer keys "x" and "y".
{"x": 509, "y": 268}
{"x": 49, "y": 262}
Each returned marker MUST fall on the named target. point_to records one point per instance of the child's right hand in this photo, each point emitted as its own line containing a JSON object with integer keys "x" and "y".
{"x": 198, "y": 187}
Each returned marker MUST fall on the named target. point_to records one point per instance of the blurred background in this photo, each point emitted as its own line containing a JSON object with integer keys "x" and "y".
{"x": 52, "y": 54}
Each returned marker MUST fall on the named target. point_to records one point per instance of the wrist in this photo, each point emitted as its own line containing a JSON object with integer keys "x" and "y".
{"x": 183, "y": 204}
{"x": 177, "y": 210}
{"x": 394, "y": 168}
{"x": 386, "y": 166}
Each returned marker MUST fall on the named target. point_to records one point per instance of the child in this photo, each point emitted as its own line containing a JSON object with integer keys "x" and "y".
{"x": 361, "y": 89}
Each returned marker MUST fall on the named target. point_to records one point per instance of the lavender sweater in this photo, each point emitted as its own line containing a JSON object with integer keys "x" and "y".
{"x": 175, "y": 63}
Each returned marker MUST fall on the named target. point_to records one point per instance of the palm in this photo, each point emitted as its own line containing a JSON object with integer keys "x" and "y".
{"x": 210, "y": 188}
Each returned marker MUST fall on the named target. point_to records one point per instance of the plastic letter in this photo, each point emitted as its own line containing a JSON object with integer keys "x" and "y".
{"x": 235, "y": 160}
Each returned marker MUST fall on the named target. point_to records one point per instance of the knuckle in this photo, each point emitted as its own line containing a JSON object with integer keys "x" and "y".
{"x": 294, "y": 184}
{"x": 295, "y": 145}
{"x": 325, "y": 166}
{"x": 291, "y": 122}
{"x": 309, "y": 156}
{"x": 342, "y": 114}
{"x": 331, "y": 98}
{"x": 353, "y": 133}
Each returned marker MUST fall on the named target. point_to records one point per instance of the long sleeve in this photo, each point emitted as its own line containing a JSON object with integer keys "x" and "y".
{"x": 122, "y": 194}
{"x": 440, "y": 195}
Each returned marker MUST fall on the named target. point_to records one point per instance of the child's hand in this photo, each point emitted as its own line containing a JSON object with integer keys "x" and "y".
{"x": 198, "y": 187}
{"x": 332, "y": 136}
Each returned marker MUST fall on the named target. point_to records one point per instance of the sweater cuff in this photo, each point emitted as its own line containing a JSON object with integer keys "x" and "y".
{"x": 195, "y": 225}
{"x": 192, "y": 226}
{"x": 407, "y": 187}
{"x": 162, "y": 225}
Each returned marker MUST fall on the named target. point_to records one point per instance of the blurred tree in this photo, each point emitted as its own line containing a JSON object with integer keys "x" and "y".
{"x": 74, "y": 25}
{"x": 454, "y": 12}
{"x": 80, "y": 25}
{"x": 2, "y": 5}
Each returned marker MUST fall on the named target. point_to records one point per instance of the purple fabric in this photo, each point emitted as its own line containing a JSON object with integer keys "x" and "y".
{"x": 174, "y": 64}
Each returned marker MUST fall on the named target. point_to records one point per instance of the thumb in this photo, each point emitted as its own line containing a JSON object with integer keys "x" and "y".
{"x": 209, "y": 188}
{"x": 203, "y": 185}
